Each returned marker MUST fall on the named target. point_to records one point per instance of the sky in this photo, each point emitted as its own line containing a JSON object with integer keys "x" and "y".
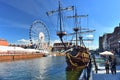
{"x": 16, "y": 17}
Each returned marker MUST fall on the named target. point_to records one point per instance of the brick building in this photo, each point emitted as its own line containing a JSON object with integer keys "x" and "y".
{"x": 114, "y": 39}
{"x": 3, "y": 42}
{"x": 60, "y": 47}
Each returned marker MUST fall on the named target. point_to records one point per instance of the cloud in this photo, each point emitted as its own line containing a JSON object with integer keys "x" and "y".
{"x": 57, "y": 41}
{"x": 88, "y": 42}
{"x": 90, "y": 36}
{"x": 23, "y": 41}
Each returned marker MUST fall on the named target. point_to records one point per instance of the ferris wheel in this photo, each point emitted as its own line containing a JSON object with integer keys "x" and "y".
{"x": 39, "y": 35}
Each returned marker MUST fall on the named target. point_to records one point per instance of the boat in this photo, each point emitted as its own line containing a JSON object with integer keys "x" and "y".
{"x": 77, "y": 56}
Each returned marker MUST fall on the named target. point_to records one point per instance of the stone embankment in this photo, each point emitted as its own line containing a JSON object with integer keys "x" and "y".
{"x": 19, "y": 57}
{"x": 12, "y": 57}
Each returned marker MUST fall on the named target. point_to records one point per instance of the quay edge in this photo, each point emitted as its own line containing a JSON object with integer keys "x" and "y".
{"x": 19, "y": 57}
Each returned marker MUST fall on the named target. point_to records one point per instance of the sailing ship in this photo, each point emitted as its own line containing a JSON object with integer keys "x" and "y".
{"x": 77, "y": 56}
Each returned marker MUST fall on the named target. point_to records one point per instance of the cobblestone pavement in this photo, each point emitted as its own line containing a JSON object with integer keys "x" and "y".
{"x": 101, "y": 75}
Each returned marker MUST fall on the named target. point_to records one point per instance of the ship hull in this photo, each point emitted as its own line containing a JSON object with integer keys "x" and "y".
{"x": 74, "y": 62}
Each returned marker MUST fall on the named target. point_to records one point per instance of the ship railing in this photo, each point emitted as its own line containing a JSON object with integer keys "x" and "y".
{"x": 83, "y": 75}
{"x": 86, "y": 73}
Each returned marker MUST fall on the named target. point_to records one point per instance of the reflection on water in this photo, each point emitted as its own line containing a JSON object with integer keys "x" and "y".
{"x": 46, "y": 68}
{"x": 73, "y": 75}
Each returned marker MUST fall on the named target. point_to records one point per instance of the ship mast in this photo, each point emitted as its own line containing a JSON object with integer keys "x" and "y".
{"x": 77, "y": 28}
{"x": 60, "y": 33}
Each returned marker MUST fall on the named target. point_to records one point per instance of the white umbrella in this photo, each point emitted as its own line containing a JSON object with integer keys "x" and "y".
{"x": 106, "y": 53}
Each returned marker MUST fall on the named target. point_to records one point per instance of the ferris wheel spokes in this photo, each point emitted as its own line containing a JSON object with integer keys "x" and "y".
{"x": 39, "y": 35}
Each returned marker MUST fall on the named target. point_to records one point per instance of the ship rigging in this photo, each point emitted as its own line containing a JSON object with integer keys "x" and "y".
{"x": 76, "y": 56}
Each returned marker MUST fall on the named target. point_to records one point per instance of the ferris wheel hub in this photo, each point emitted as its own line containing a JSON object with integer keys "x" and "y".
{"x": 41, "y": 36}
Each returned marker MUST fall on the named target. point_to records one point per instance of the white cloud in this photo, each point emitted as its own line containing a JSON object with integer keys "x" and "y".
{"x": 56, "y": 41}
{"x": 88, "y": 42}
{"x": 90, "y": 36}
{"x": 23, "y": 41}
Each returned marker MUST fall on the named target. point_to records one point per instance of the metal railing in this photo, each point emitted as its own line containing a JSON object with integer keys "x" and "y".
{"x": 86, "y": 73}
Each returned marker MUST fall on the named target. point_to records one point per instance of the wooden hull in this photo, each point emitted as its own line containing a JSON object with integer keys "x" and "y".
{"x": 74, "y": 63}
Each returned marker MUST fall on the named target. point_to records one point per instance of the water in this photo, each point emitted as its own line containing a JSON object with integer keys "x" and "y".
{"x": 46, "y": 68}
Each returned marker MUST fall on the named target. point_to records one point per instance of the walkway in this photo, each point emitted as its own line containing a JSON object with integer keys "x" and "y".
{"x": 101, "y": 75}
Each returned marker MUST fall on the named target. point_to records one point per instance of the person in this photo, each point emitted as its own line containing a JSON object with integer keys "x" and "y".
{"x": 107, "y": 67}
{"x": 113, "y": 67}
{"x": 96, "y": 67}
{"x": 110, "y": 58}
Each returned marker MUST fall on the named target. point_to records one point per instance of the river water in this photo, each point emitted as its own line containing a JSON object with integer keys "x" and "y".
{"x": 45, "y": 68}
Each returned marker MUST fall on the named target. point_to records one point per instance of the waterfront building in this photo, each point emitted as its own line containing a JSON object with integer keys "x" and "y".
{"x": 110, "y": 41}
{"x": 100, "y": 45}
{"x": 103, "y": 42}
{"x": 114, "y": 40}
{"x": 3, "y": 42}
{"x": 60, "y": 47}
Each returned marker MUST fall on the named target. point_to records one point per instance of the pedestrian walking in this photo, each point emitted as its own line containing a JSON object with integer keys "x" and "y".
{"x": 107, "y": 67}
{"x": 113, "y": 67}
